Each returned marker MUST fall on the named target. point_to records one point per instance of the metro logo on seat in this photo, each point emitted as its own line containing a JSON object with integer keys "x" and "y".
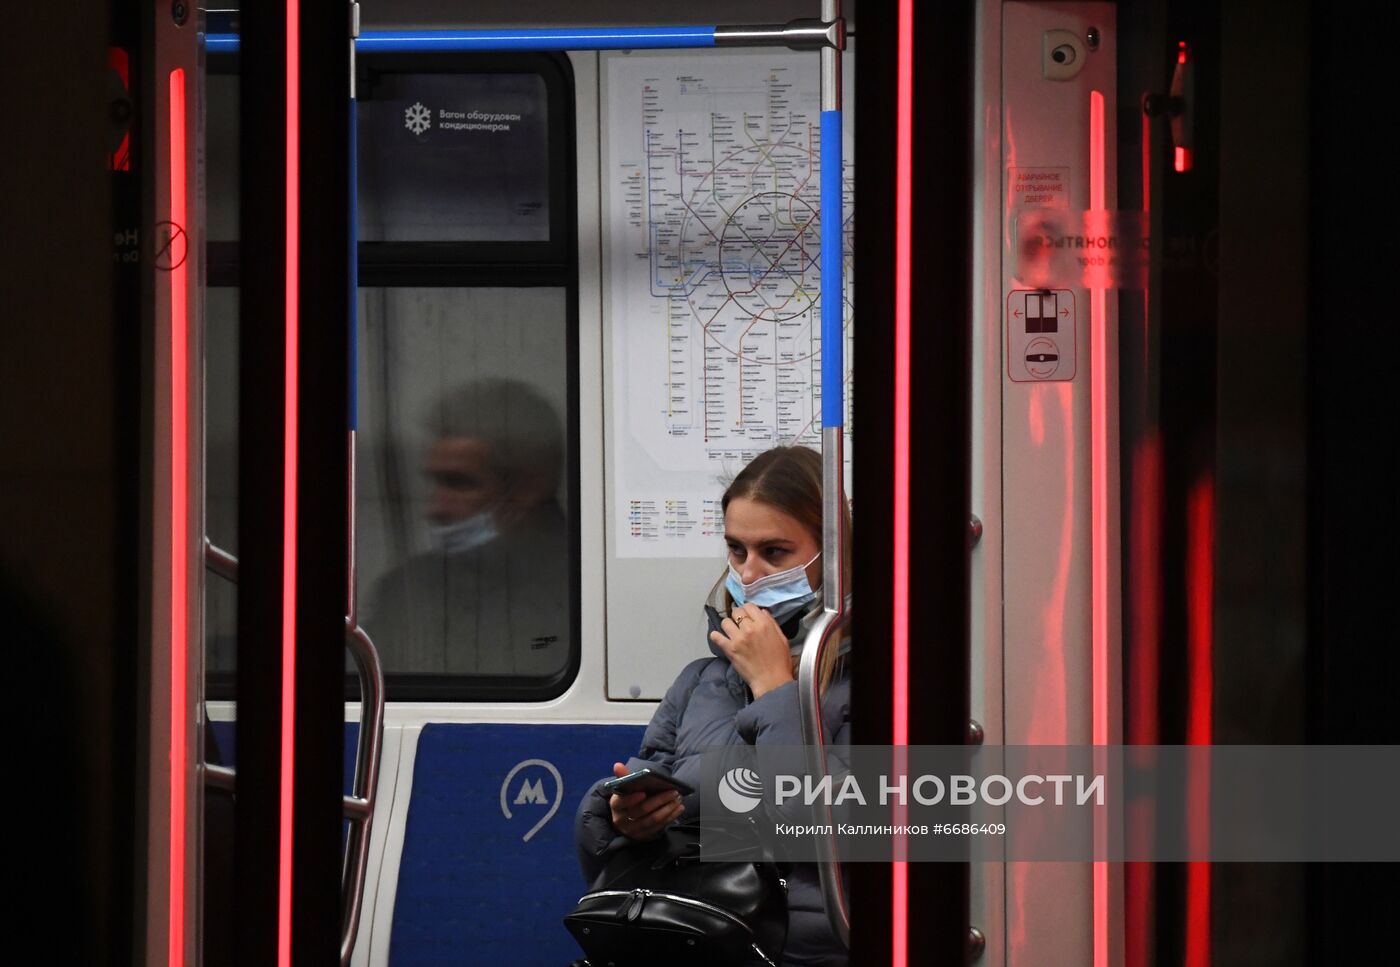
{"x": 531, "y": 792}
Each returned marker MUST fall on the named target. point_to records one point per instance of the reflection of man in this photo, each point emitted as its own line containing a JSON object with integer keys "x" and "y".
{"x": 492, "y": 596}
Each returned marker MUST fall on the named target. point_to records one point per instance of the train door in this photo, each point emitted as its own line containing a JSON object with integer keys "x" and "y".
{"x": 1045, "y": 466}
{"x": 527, "y": 222}
{"x": 476, "y": 382}
{"x": 1140, "y": 435}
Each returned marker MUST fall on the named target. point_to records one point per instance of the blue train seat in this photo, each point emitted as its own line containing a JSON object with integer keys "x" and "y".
{"x": 478, "y": 886}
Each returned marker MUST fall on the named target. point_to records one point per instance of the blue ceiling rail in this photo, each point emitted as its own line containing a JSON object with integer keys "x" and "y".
{"x": 542, "y": 38}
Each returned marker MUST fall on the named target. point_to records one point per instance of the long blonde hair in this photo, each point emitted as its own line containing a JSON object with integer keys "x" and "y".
{"x": 789, "y": 479}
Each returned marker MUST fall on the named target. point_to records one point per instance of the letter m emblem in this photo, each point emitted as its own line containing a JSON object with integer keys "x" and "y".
{"x": 530, "y": 791}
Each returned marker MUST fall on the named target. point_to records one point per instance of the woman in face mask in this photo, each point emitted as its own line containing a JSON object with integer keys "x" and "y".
{"x": 763, "y": 605}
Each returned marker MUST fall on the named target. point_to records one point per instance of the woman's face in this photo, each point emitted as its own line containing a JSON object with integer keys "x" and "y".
{"x": 764, "y": 540}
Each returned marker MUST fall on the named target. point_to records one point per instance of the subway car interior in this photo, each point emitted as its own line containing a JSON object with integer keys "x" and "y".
{"x": 377, "y": 376}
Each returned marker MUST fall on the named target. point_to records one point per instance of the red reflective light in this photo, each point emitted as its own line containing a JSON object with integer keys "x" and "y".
{"x": 289, "y": 500}
{"x": 903, "y": 219}
{"x": 119, "y": 61}
{"x": 179, "y": 519}
{"x": 1200, "y": 645}
{"x": 902, "y": 258}
{"x": 1098, "y": 500}
{"x": 1182, "y": 160}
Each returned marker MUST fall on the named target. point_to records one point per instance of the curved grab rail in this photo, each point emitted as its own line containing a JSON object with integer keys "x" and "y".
{"x": 220, "y": 561}
{"x": 218, "y": 777}
{"x": 819, "y": 638}
{"x": 358, "y": 806}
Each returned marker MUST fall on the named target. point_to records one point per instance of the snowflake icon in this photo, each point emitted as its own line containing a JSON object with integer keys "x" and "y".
{"x": 417, "y": 118}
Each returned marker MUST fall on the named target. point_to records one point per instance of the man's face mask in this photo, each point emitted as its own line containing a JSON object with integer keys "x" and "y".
{"x": 782, "y": 594}
{"x": 466, "y": 534}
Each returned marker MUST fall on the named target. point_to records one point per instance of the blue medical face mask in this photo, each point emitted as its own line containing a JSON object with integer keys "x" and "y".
{"x": 466, "y": 534}
{"x": 782, "y": 594}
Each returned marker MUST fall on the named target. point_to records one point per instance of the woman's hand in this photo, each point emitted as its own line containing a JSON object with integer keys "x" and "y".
{"x": 756, "y": 647}
{"x": 642, "y": 817}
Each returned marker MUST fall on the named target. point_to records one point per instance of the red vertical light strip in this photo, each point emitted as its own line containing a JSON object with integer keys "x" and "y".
{"x": 119, "y": 61}
{"x": 1181, "y": 157}
{"x": 1145, "y": 589}
{"x": 179, "y": 517}
{"x": 904, "y": 149}
{"x": 289, "y": 497}
{"x": 1146, "y": 167}
{"x": 1144, "y": 544}
{"x": 1200, "y": 633}
{"x": 1098, "y": 458}
{"x": 903, "y": 242}
{"x": 1200, "y": 580}
{"x": 1099, "y": 434}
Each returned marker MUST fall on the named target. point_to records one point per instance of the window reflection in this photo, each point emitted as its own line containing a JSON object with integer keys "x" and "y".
{"x": 221, "y": 478}
{"x": 465, "y": 560}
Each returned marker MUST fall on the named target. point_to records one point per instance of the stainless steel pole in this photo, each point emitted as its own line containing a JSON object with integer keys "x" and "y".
{"x": 835, "y": 613}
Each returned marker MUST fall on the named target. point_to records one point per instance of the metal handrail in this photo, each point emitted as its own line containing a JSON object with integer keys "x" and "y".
{"x": 824, "y": 633}
{"x": 219, "y": 777}
{"x": 835, "y": 611}
{"x": 358, "y": 806}
{"x": 220, "y": 561}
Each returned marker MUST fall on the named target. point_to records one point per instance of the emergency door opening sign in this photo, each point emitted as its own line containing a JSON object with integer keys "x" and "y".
{"x": 1040, "y": 335}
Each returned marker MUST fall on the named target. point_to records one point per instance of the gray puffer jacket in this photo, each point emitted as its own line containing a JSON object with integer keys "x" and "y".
{"x": 709, "y": 705}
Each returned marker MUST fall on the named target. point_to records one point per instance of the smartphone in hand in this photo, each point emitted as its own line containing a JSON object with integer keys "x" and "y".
{"x": 645, "y": 780}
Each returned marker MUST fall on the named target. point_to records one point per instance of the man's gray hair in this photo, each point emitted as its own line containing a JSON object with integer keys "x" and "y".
{"x": 519, "y": 425}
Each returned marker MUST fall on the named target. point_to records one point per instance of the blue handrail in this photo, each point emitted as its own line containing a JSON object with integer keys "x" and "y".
{"x": 833, "y": 275}
{"x": 543, "y": 38}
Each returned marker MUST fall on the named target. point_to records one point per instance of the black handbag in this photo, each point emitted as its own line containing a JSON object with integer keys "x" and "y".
{"x": 656, "y": 903}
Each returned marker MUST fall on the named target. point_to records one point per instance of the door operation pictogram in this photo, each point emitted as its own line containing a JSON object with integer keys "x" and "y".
{"x": 1040, "y": 335}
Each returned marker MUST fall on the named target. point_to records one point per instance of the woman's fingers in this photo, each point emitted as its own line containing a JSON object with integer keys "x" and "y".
{"x": 754, "y": 613}
{"x": 618, "y": 801}
{"x": 655, "y": 822}
{"x": 661, "y": 800}
{"x": 650, "y": 817}
{"x": 736, "y": 623}
{"x": 746, "y": 617}
{"x": 621, "y": 806}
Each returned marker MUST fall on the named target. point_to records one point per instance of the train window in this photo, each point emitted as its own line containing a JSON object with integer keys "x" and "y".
{"x": 221, "y": 479}
{"x": 221, "y": 145}
{"x": 220, "y": 610}
{"x": 467, "y": 507}
{"x": 466, "y": 494}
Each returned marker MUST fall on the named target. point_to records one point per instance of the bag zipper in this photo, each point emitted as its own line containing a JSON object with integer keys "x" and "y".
{"x": 641, "y": 896}
{"x": 635, "y": 908}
